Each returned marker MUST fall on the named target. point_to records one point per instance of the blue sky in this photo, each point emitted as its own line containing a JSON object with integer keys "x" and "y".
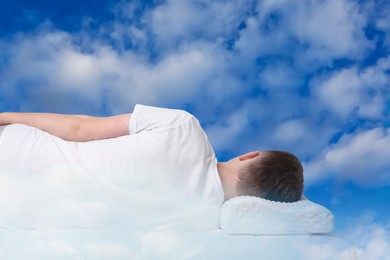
{"x": 311, "y": 77}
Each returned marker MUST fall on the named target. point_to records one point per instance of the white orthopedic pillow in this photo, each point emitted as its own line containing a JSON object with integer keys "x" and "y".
{"x": 257, "y": 216}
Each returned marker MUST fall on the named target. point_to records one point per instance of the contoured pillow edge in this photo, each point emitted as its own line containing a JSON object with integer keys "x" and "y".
{"x": 257, "y": 216}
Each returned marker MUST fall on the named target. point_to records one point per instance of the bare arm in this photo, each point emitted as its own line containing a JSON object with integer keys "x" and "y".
{"x": 78, "y": 128}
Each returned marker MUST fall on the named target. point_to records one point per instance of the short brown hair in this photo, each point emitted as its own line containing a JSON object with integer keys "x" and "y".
{"x": 273, "y": 175}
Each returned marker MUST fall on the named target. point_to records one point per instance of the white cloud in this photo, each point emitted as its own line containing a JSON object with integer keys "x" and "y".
{"x": 378, "y": 246}
{"x": 170, "y": 24}
{"x": 325, "y": 30}
{"x": 51, "y": 63}
{"x": 176, "y": 245}
{"x": 117, "y": 244}
{"x": 108, "y": 249}
{"x": 177, "y": 20}
{"x": 179, "y": 76}
{"x": 345, "y": 97}
{"x": 360, "y": 157}
{"x": 332, "y": 29}
{"x": 62, "y": 248}
{"x": 224, "y": 132}
{"x": 76, "y": 70}
{"x": 31, "y": 57}
{"x": 328, "y": 251}
{"x": 254, "y": 43}
{"x": 290, "y": 132}
{"x": 378, "y": 11}
{"x": 51, "y": 70}
{"x": 341, "y": 92}
{"x": 181, "y": 21}
{"x": 280, "y": 76}
{"x": 371, "y": 240}
{"x": 351, "y": 91}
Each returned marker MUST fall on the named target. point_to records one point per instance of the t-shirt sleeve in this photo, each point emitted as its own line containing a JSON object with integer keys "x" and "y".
{"x": 148, "y": 118}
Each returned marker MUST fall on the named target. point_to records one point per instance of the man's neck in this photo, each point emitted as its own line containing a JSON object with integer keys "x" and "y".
{"x": 228, "y": 175}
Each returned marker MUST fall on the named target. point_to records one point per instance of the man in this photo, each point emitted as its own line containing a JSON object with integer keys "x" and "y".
{"x": 153, "y": 150}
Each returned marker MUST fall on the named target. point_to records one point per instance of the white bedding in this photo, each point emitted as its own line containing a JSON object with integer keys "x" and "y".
{"x": 124, "y": 244}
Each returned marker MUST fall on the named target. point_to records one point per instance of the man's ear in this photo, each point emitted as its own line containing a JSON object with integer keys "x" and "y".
{"x": 248, "y": 156}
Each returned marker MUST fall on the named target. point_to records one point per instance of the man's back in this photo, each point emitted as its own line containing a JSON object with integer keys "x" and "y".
{"x": 160, "y": 174}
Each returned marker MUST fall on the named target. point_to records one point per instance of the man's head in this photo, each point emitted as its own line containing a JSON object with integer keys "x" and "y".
{"x": 272, "y": 175}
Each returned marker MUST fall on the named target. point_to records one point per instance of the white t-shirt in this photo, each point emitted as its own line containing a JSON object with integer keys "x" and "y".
{"x": 162, "y": 175}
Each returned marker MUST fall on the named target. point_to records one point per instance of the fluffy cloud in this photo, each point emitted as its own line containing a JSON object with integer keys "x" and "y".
{"x": 280, "y": 76}
{"x": 290, "y": 131}
{"x": 173, "y": 23}
{"x": 360, "y": 157}
{"x": 52, "y": 64}
{"x": 372, "y": 240}
{"x": 228, "y": 129}
{"x": 47, "y": 66}
{"x": 315, "y": 31}
{"x": 332, "y": 29}
{"x": 377, "y": 246}
{"x": 109, "y": 249}
{"x": 166, "y": 25}
{"x": 367, "y": 239}
{"x": 176, "y": 244}
{"x": 103, "y": 244}
{"x": 377, "y": 12}
{"x": 361, "y": 92}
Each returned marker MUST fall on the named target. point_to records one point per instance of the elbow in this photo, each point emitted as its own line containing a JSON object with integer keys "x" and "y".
{"x": 86, "y": 130}
{"x": 75, "y": 131}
